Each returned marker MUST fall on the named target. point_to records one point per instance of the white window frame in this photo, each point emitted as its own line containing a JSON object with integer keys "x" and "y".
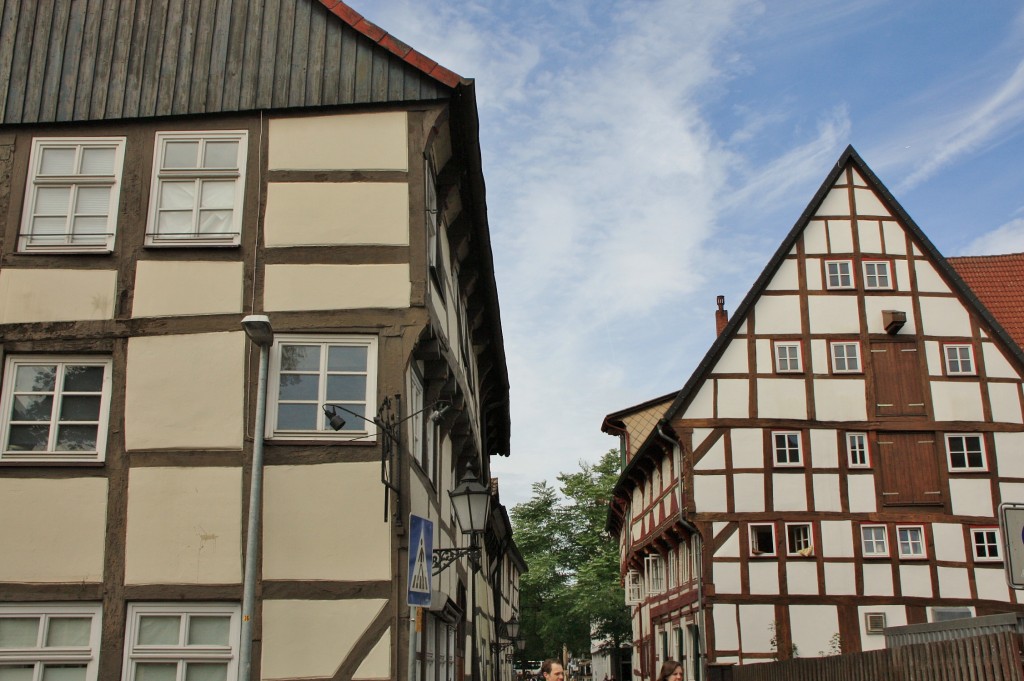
{"x": 846, "y": 345}
{"x": 26, "y": 243}
{"x": 808, "y": 550}
{"x": 50, "y": 454}
{"x": 877, "y": 280}
{"x": 990, "y": 541}
{"x": 754, "y": 551}
{"x": 955, "y": 364}
{"x": 40, "y": 654}
{"x": 874, "y": 540}
{"x": 634, "y": 587}
{"x": 967, "y": 467}
{"x": 198, "y": 175}
{"x": 181, "y": 653}
{"x": 776, "y": 450}
{"x": 417, "y": 441}
{"x": 839, "y": 274}
{"x": 858, "y": 451}
{"x": 654, "y": 569}
{"x": 921, "y": 543}
{"x": 786, "y": 347}
{"x": 366, "y": 430}
{"x": 672, "y": 571}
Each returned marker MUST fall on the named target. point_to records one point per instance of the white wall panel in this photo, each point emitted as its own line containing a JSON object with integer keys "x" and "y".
{"x": 902, "y": 268}
{"x": 749, "y": 492}
{"x": 928, "y": 279}
{"x": 813, "y": 627}
{"x": 730, "y": 548}
{"x": 933, "y": 353}
{"x": 733, "y": 398}
{"x": 812, "y": 270}
{"x": 870, "y": 235}
{"x": 840, "y": 236}
{"x": 996, "y": 365}
{"x": 826, "y": 493}
{"x": 971, "y": 497}
{"x": 714, "y": 458}
{"x": 895, "y": 238}
{"x": 916, "y": 580}
{"x": 991, "y": 584}
{"x": 1005, "y": 401}
{"x": 787, "y": 277}
{"x": 709, "y": 493}
{"x": 781, "y": 398}
{"x": 837, "y": 538}
{"x": 748, "y": 448}
{"x": 703, "y": 404}
{"x": 895, "y": 616}
{"x": 726, "y": 578}
{"x": 953, "y": 582}
{"x": 836, "y": 202}
{"x": 756, "y": 622}
{"x": 371, "y": 141}
{"x": 764, "y": 577}
{"x": 861, "y": 492}
{"x": 726, "y": 632}
{"x": 867, "y": 203}
{"x": 802, "y": 577}
{"x": 789, "y": 492}
{"x": 874, "y": 305}
{"x": 944, "y": 317}
{"x": 777, "y": 314}
{"x": 949, "y": 542}
{"x": 824, "y": 448}
{"x": 765, "y": 359}
{"x": 956, "y": 401}
{"x": 1009, "y": 454}
{"x": 56, "y": 295}
{"x": 878, "y": 579}
{"x": 840, "y": 399}
{"x": 840, "y": 579}
{"x": 819, "y": 356}
{"x": 734, "y": 359}
{"x": 833, "y": 314}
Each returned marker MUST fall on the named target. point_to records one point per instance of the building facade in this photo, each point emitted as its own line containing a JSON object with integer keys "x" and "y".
{"x": 169, "y": 168}
{"x": 835, "y": 463}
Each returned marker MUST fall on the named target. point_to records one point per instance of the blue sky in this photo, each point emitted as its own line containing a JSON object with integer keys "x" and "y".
{"x": 643, "y": 156}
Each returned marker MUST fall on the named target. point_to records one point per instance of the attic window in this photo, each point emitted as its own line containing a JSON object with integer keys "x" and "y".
{"x": 839, "y": 274}
{"x": 762, "y": 540}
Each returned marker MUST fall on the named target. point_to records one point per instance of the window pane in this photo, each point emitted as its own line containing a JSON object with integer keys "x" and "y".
{"x": 218, "y": 194}
{"x": 174, "y": 223}
{"x": 215, "y": 222}
{"x": 92, "y": 201}
{"x": 181, "y": 154}
{"x": 297, "y": 416}
{"x": 76, "y": 438}
{"x": 45, "y": 229}
{"x": 177, "y": 195}
{"x": 58, "y": 161}
{"x": 28, "y": 438}
{"x": 97, "y": 161}
{"x": 208, "y": 631}
{"x": 17, "y": 673}
{"x": 83, "y": 379}
{"x": 206, "y": 672}
{"x": 221, "y": 155}
{"x": 89, "y": 229}
{"x": 159, "y": 630}
{"x": 299, "y": 387}
{"x": 300, "y": 357}
{"x": 52, "y": 200}
{"x": 151, "y": 671}
{"x": 346, "y": 358}
{"x": 19, "y": 632}
{"x": 68, "y": 631}
{"x": 71, "y": 672}
{"x": 32, "y": 408}
{"x": 344, "y": 388}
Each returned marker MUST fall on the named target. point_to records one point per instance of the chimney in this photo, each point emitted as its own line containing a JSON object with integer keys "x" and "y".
{"x": 721, "y": 316}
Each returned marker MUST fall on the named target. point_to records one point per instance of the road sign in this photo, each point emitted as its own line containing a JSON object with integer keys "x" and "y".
{"x": 1011, "y": 524}
{"x": 421, "y": 559}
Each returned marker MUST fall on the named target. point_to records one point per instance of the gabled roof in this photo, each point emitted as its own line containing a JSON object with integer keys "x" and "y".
{"x": 998, "y": 281}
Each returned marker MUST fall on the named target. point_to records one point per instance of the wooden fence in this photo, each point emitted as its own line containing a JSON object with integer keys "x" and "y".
{"x": 992, "y": 657}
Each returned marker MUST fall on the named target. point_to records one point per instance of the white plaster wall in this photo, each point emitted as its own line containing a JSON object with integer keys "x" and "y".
{"x": 304, "y": 638}
{"x": 1011, "y": 491}
{"x": 916, "y": 581}
{"x": 826, "y": 493}
{"x": 377, "y": 664}
{"x": 709, "y": 493}
{"x": 878, "y": 579}
{"x": 371, "y": 141}
{"x": 714, "y": 458}
{"x": 185, "y": 391}
{"x": 781, "y": 398}
{"x": 902, "y": 269}
{"x": 971, "y": 497}
{"x": 991, "y": 584}
{"x": 336, "y": 213}
{"x": 836, "y": 202}
{"x": 734, "y": 359}
{"x": 727, "y": 578}
{"x": 802, "y": 577}
{"x": 749, "y": 492}
{"x": 861, "y": 493}
{"x": 55, "y": 530}
{"x": 953, "y": 582}
{"x": 914, "y": 249}
{"x": 703, "y": 404}
{"x": 730, "y": 548}
{"x": 813, "y": 627}
{"x": 56, "y": 295}
{"x": 895, "y": 238}
{"x": 957, "y": 401}
{"x": 164, "y": 289}
{"x": 789, "y": 492}
{"x": 756, "y": 621}
{"x": 733, "y": 398}
{"x": 726, "y": 632}
{"x": 1005, "y": 401}
{"x": 787, "y": 277}
{"x": 870, "y": 235}
{"x": 840, "y": 236}
{"x": 874, "y": 305}
{"x": 833, "y": 314}
{"x": 814, "y": 237}
{"x": 840, "y": 579}
{"x": 949, "y": 542}
{"x": 748, "y": 448}
{"x": 763, "y": 353}
{"x": 819, "y": 356}
{"x": 840, "y": 399}
{"x": 824, "y": 448}
{"x": 895, "y": 616}
{"x": 812, "y": 269}
{"x": 184, "y": 526}
{"x": 836, "y": 539}
{"x": 764, "y": 577}
{"x": 944, "y": 317}
{"x": 868, "y": 203}
{"x": 933, "y": 353}
{"x": 928, "y": 279}
{"x": 308, "y": 523}
{"x": 777, "y": 314}
{"x": 858, "y": 181}
{"x": 700, "y": 435}
{"x": 996, "y": 365}
{"x": 336, "y": 287}
{"x": 1009, "y": 454}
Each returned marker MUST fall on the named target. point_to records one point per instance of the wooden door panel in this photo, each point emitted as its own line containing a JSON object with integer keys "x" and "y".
{"x": 896, "y": 370}
{"x": 908, "y": 469}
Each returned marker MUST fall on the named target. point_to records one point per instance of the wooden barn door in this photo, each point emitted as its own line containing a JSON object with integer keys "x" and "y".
{"x": 896, "y": 369}
{"x": 908, "y": 465}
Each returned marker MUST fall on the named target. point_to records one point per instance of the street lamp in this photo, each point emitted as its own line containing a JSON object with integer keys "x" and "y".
{"x": 257, "y": 327}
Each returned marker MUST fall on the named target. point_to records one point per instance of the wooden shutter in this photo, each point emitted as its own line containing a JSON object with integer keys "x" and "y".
{"x": 908, "y": 466}
{"x": 896, "y": 369}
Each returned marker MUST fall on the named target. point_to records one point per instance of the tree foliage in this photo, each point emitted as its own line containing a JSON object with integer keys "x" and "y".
{"x": 572, "y": 591}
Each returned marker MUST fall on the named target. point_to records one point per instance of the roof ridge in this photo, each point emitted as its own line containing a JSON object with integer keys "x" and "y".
{"x": 392, "y": 44}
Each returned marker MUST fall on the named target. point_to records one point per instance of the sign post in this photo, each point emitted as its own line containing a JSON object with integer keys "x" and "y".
{"x": 1011, "y": 525}
{"x": 421, "y": 560}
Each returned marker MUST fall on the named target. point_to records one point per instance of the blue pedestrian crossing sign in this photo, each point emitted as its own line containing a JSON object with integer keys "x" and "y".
{"x": 421, "y": 559}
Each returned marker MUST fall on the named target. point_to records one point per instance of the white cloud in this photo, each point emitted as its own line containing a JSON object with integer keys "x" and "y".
{"x": 1007, "y": 238}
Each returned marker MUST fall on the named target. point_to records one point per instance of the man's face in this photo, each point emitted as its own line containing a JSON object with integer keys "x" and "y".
{"x": 556, "y": 673}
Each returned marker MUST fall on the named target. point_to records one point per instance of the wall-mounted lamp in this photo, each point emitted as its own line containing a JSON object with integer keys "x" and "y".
{"x": 471, "y": 501}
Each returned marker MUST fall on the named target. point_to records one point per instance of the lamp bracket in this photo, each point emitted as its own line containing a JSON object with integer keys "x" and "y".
{"x": 445, "y": 557}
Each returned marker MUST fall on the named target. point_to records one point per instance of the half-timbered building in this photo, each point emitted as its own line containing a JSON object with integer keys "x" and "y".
{"x": 168, "y": 168}
{"x": 835, "y": 463}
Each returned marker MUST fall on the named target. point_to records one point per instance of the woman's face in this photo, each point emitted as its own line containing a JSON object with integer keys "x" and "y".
{"x": 677, "y": 675}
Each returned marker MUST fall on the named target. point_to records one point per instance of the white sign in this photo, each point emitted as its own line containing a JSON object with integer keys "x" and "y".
{"x": 1011, "y": 524}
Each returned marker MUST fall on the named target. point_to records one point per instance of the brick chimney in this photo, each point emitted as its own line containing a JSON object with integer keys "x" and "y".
{"x": 721, "y": 316}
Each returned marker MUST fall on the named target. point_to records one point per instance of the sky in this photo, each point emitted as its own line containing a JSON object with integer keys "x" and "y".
{"x": 643, "y": 156}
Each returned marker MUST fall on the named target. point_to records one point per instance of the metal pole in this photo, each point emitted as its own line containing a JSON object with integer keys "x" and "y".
{"x": 255, "y": 511}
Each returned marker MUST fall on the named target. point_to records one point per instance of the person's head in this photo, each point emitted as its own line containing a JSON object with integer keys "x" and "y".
{"x": 551, "y": 670}
{"x": 671, "y": 671}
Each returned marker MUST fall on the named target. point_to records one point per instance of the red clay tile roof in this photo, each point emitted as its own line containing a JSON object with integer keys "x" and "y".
{"x": 998, "y": 281}
{"x": 392, "y": 44}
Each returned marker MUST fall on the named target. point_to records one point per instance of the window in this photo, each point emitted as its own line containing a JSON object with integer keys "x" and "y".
{"x": 986, "y": 544}
{"x": 416, "y": 444}
{"x": 786, "y": 448}
{"x": 654, "y": 566}
{"x": 874, "y": 541}
{"x": 42, "y": 641}
{"x": 673, "y": 569}
{"x": 876, "y": 275}
{"x": 787, "y": 358}
{"x": 798, "y": 540}
{"x": 634, "y": 588}
{"x": 846, "y": 358}
{"x": 71, "y": 197}
{"x": 194, "y": 642}
{"x": 874, "y": 622}
{"x": 55, "y": 408}
{"x": 966, "y": 452}
{"x": 762, "y": 540}
{"x": 857, "y": 450}
{"x": 959, "y": 360}
{"x": 947, "y": 614}
{"x": 839, "y": 274}
{"x": 434, "y": 219}
{"x": 198, "y": 182}
{"x": 309, "y": 372}
{"x": 684, "y": 562}
{"x": 911, "y": 541}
